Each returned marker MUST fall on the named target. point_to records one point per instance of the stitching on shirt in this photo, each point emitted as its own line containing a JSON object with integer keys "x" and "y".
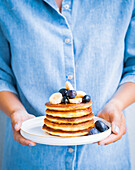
{"x": 73, "y": 164}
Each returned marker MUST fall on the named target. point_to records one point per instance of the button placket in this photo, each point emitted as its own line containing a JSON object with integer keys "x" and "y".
{"x": 70, "y": 156}
{"x": 66, "y": 6}
{"x": 67, "y": 40}
{"x": 69, "y": 56}
{"x": 70, "y": 77}
{"x": 66, "y": 10}
{"x": 69, "y": 64}
{"x": 69, "y": 61}
{"x": 68, "y": 43}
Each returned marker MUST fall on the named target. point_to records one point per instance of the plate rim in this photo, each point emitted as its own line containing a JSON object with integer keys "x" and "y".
{"x": 90, "y": 137}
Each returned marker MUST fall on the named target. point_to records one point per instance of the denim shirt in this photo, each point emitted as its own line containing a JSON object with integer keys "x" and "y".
{"x": 91, "y": 44}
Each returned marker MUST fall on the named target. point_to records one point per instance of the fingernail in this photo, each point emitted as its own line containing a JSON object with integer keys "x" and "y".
{"x": 15, "y": 126}
{"x": 30, "y": 144}
{"x": 116, "y": 129}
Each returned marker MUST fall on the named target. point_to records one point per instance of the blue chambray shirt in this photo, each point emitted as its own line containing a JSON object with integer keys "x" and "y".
{"x": 91, "y": 44}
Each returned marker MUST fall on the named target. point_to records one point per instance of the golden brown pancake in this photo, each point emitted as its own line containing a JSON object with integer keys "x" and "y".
{"x": 69, "y": 114}
{"x": 70, "y": 120}
{"x": 61, "y": 133}
{"x": 69, "y": 126}
{"x": 67, "y": 107}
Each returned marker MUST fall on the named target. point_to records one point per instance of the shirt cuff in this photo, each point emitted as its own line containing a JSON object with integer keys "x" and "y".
{"x": 128, "y": 78}
{"x": 5, "y": 86}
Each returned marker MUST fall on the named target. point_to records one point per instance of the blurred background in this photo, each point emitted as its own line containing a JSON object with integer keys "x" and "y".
{"x": 130, "y": 123}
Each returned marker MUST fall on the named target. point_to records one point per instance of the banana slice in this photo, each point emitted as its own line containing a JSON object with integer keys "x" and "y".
{"x": 68, "y": 86}
{"x": 55, "y": 98}
{"x": 75, "y": 100}
{"x": 80, "y": 94}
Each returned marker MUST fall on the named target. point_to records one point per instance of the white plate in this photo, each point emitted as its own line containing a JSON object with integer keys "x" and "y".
{"x": 32, "y": 129}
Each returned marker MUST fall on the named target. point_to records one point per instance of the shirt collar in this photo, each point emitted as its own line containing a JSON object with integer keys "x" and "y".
{"x": 52, "y": 3}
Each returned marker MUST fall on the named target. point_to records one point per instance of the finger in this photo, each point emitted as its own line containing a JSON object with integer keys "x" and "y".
{"x": 123, "y": 125}
{"x": 104, "y": 116}
{"x": 99, "y": 113}
{"x": 19, "y": 138}
{"x": 116, "y": 121}
{"x": 16, "y": 122}
{"x": 112, "y": 138}
{"x": 115, "y": 129}
{"x": 17, "y": 126}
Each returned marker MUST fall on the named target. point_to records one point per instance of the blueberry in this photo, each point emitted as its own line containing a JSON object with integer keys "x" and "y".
{"x": 94, "y": 131}
{"x": 64, "y": 100}
{"x": 101, "y": 126}
{"x": 86, "y": 99}
{"x": 71, "y": 94}
{"x": 63, "y": 92}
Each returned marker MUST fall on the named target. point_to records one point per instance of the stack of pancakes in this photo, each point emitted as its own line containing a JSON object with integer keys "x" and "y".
{"x": 68, "y": 120}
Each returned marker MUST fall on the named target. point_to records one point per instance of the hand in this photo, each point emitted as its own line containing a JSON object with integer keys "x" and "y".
{"x": 16, "y": 120}
{"x": 112, "y": 114}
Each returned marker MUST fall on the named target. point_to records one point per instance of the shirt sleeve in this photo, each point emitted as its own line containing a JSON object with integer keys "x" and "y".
{"x": 7, "y": 79}
{"x": 129, "y": 58}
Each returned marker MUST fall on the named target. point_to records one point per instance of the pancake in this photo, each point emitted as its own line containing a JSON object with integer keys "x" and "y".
{"x": 70, "y": 120}
{"x": 61, "y": 133}
{"x": 69, "y": 114}
{"x": 67, "y": 107}
{"x": 69, "y": 126}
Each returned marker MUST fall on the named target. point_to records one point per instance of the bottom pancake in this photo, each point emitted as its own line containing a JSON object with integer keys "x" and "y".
{"x": 61, "y": 133}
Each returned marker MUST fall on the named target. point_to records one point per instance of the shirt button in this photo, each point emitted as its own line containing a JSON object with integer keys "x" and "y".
{"x": 70, "y": 150}
{"x": 66, "y": 6}
{"x": 67, "y": 40}
{"x": 70, "y": 77}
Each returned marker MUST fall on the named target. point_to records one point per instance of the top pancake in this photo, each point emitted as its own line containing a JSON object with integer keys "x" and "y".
{"x": 66, "y": 107}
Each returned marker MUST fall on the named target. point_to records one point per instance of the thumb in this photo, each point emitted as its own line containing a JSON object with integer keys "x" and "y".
{"x": 115, "y": 128}
{"x": 99, "y": 113}
{"x": 17, "y": 125}
{"x": 16, "y": 122}
{"x": 114, "y": 119}
{"x": 102, "y": 115}
{"x": 115, "y": 123}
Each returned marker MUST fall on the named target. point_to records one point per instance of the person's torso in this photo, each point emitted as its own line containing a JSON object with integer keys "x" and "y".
{"x": 83, "y": 44}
